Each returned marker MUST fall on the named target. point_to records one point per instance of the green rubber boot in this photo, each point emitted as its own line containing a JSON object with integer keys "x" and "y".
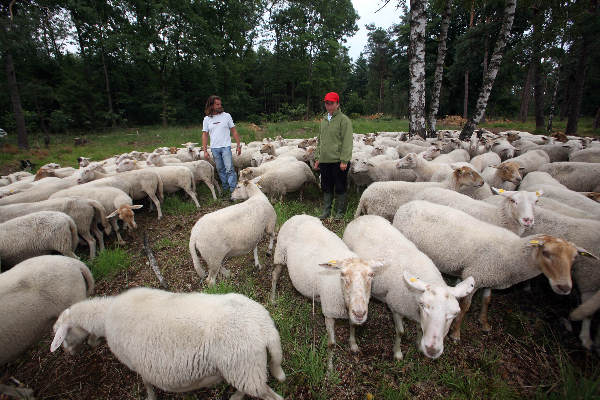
{"x": 340, "y": 206}
{"x": 327, "y": 201}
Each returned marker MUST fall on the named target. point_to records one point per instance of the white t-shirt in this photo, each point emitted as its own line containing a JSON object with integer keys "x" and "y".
{"x": 218, "y": 127}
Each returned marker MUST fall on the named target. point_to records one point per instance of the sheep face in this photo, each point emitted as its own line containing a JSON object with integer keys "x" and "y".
{"x": 51, "y": 166}
{"x": 127, "y": 165}
{"x": 268, "y": 148}
{"x": 247, "y": 173}
{"x": 437, "y": 309}
{"x": 431, "y": 153}
{"x": 356, "y": 276}
{"x": 241, "y": 190}
{"x": 154, "y": 159}
{"x": 509, "y": 172}
{"x": 71, "y": 337}
{"x": 125, "y": 213}
{"x": 360, "y": 166}
{"x": 83, "y": 162}
{"x": 44, "y": 173}
{"x": 520, "y": 205}
{"x": 409, "y": 161}
{"x": 467, "y": 177}
{"x": 86, "y": 175}
{"x": 594, "y": 196}
{"x": 555, "y": 258}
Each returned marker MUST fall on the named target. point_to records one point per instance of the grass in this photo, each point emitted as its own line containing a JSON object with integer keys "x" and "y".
{"x": 178, "y": 204}
{"x": 109, "y": 262}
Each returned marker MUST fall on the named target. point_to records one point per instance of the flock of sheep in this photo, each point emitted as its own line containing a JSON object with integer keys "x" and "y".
{"x": 441, "y": 206}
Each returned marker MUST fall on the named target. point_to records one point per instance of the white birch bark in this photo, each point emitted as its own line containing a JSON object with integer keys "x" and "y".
{"x": 488, "y": 82}
{"x": 439, "y": 69}
{"x": 417, "y": 68}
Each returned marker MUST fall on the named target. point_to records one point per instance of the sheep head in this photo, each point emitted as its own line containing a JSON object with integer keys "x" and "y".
{"x": 356, "y": 276}
{"x": 437, "y": 309}
{"x": 510, "y": 172}
{"x": 409, "y": 161}
{"x": 466, "y": 176}
{"x": 519, "y": 204}
{"x": 125, "y": 213}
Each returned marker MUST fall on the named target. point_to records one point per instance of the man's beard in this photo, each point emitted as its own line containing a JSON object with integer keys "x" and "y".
{"x": 218, "y": 110}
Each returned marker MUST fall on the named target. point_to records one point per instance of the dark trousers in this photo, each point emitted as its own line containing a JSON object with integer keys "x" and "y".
{"x": 333, "y": 178}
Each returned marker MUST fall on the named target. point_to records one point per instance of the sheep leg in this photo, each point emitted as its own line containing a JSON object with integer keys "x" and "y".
{"x": 276, "y": 273}
{"x": 485, "y": 302}
{"x": 90, "y": 242}
{"x": 399, "y": 328}
{"x": 256, "y": 261}
{"x": 150, "y": 391}
{"x": 154, "y": 199}
{"x": 99, "y": 236}
{"x": 116, "y": 229}
{"x": 353, "y": 345}
{"x": 238, "y": 395}
{"x": 267, "y": 393}
{"x": 271, "y": 240}
{"x": 584, "y": 335}
{"x": 211, "y": 187}
{"x": 193, "y": 196}
{"x": 465, "y": 304}
{"x": 330, "y": 326}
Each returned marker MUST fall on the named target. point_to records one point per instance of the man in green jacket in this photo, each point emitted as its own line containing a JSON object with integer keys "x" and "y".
{"x": 332, "y": 156}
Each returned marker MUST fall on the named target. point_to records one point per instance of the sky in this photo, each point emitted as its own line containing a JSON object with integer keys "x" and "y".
{"x": 384, "y": 18}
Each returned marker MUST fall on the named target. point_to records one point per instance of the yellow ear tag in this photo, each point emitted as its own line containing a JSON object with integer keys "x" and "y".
{"x": 331, "y": 262}
{"x": 538, "y": 194}
{"x": 500, "y": 190}
{"x": 413, "y": 279}
{"x": 583, "y": 253}
{"x": 534, "y": 241}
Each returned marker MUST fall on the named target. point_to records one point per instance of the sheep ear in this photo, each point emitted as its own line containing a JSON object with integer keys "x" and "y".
{"x": 377, "y": 264}
{"x": 414, "y": 282}
{"x": 583, "y": 252}
{"x": 136, "y": 206}
{"x": 59, "y": 337}
{"x": 332, "y": 264}
{"x": 93, "y": 340}
{"x": 112, "y": 214}
{"x": 536, "y": 243}
{"x": 464, "y": 288}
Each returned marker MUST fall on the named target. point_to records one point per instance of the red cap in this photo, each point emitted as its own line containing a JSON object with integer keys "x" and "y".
{"x": 332, "y": 96}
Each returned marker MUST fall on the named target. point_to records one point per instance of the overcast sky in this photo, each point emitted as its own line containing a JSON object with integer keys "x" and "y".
{"x": 384, "y": 18}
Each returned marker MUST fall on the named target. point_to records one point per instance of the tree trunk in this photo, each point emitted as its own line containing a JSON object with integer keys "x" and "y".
{"x": 485, "y": 61}
{"x": 597, "y": 120}
{"x": 15, "y": 99}
{"x": 575, "y": 101}
{"x": 552, "y": 104}
{"x": 526, "y": 94}
{"x": 417, "y": 68}
{"x": 488, "y": 82}
{"x": 439, "y": 69}
{"x": 466, "y": 97}
{"x": 108, "y": 95}
{"x": 538, "y": 83}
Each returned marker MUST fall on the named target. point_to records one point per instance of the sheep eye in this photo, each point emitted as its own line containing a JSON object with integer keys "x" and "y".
{"x": 513, "y": 201}
{"x": 545, "y": 253}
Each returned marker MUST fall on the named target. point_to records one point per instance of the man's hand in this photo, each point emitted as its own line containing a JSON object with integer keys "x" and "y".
{"x": 206, "y": 155}
{"x": 238, "y": 151}
{"x": 343, "y": 166}
{"x": 316, "y": 167}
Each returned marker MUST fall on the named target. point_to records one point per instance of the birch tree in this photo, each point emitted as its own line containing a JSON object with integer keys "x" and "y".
{"x": 488, "y": 81}
{"x": 439, "y": 69}
{"x": 416, "y": 68}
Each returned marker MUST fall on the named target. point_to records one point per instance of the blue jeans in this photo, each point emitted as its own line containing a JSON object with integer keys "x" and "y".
{"x": 224, "y": 162}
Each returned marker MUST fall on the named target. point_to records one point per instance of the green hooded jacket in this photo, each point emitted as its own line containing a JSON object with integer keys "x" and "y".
{"x": 335, "y": 139}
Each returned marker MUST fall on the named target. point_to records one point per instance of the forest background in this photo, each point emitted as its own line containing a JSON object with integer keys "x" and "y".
{"x": 78, "y": 65}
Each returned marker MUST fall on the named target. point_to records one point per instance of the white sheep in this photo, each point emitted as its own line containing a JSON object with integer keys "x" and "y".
{"x": 232, "y": 231}
{"x": 180, "y": 342}
{"x": 591, "y": 155}
{"x": 530, "y": 161}
{"x": 39, "y": 192}
{"x": 304, "y": 244}
{"x": 457, "y": 155}
{"x": 482, "y": 161}
{"x": 37, "y": 234}
{"x": 86, "y": 214}
{"x": 410, "y": 285}
{"x": 497, "y": 258}
{"x": 505, "y": 176}
{"x": 384, "y": 198}
{"x": 286, "y": 178}
{"x": 577, "y": 176}
{"x": 382, "y": 170}
{"x": 137, "y": 184}
{"x": 514, "y": 210}
{"x": 33, "y": 294}
{"x": 424, "y": 169}
{"x": 173, "y": 177}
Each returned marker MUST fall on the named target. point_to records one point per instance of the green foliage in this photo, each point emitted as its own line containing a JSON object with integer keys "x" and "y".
{"x": 221, "y": 287}
{"x": 109, "y": 262}
{"x": 178, "y": 204}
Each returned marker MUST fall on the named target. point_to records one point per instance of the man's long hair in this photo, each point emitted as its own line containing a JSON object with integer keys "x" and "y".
{"x": 209, "y": 108}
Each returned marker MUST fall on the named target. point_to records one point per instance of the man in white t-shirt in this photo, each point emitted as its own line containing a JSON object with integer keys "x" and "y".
{"x": 218, "y": 124}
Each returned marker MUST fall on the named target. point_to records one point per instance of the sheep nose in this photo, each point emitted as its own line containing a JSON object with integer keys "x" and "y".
{"x": 431, "y": 350}
{"x": 528, "y": 221}
{"x": 359, "y": 314}
{"x": 564, "y": 288}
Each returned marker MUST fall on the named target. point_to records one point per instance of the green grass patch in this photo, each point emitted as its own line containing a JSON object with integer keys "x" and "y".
{"x": 221, "y": 287}
{"x": 176, "y": 204}
{"x": 163, "y": 243}
{"x": 109, "y": 262}
{"x": 288, "y": 208}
